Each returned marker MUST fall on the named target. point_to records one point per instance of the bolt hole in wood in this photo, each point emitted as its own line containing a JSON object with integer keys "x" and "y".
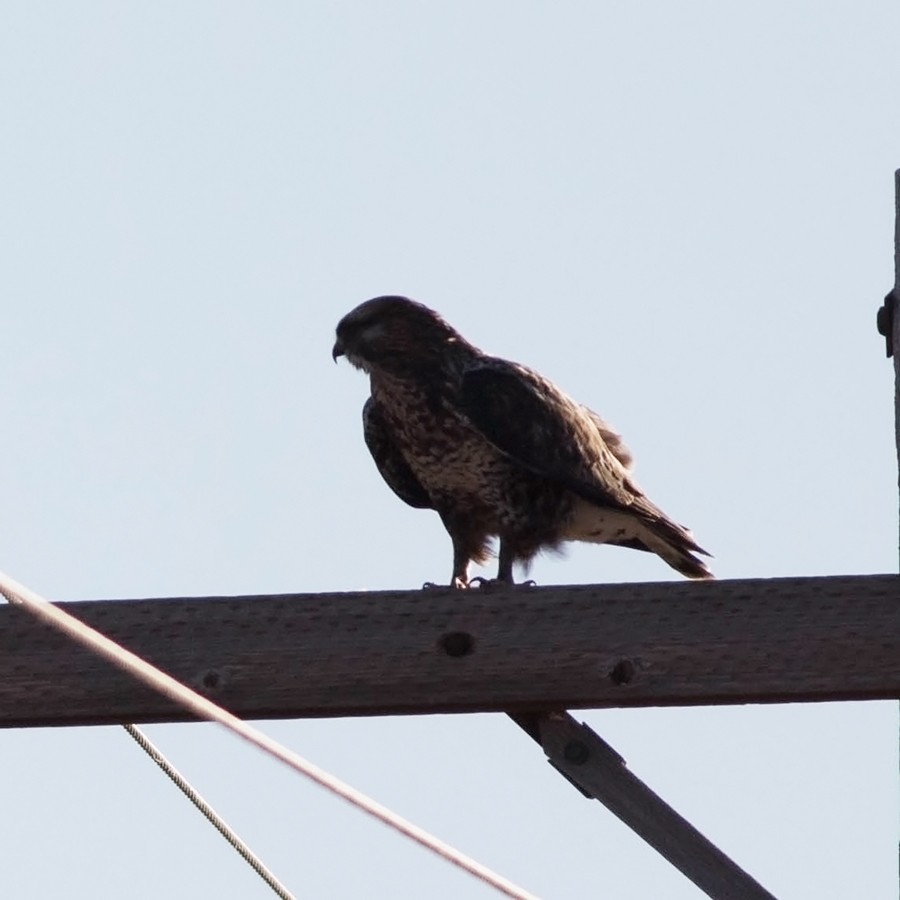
{"x": 622, "y": 672}
{"x": 457, "y": 643}
{"x": 211, "y": 680}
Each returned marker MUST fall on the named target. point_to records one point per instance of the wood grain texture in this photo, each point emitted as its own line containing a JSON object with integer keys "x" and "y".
{"x": 537, "y": 649}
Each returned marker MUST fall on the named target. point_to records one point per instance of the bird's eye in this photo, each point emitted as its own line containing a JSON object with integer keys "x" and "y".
{"x": 368, "y": 332}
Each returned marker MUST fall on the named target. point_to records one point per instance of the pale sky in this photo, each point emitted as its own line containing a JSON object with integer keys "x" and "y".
{"x": 681, "y": 212}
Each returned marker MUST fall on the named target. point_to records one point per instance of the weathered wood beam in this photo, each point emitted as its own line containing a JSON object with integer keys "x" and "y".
{"x": 889, "y": 315}
{"x": 894, "y": 324}
{"x": 531, "y": 649}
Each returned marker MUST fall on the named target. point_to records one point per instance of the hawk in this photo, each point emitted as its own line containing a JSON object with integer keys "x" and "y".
{"x": 497, "y": 450}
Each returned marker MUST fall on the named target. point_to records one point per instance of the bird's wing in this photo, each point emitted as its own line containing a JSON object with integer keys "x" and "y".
{"x": 529, "y": 419}
{"x": 613, "y": 439}
{"x": 390, "y": 461}
{"x": 534, "y": 423}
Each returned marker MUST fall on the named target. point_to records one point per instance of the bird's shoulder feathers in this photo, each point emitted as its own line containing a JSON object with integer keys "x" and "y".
{"x": 541, "y": 428}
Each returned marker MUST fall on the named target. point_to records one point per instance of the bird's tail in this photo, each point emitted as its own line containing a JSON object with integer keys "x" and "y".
{"x": 647, "y": 528}
{"x": 675, "y": 545}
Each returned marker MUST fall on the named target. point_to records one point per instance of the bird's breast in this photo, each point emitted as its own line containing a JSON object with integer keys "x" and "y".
{"x": 445, "y": 452}
{"x": 463, "y": 472}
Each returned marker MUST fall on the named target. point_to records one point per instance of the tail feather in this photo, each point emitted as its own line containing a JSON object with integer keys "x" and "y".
{"x": 647, "y": 529}
{"x": 676, "y": 546}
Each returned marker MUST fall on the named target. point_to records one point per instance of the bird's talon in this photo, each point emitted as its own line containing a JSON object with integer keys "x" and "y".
{"x": 490, "y": 584}
{"x": 483, "y": 584}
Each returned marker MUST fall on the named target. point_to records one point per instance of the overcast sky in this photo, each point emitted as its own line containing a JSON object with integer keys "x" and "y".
{"x": 680, "y": 212}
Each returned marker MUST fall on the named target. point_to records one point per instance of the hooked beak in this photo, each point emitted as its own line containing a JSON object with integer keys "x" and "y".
{"x": 337, "y": 350}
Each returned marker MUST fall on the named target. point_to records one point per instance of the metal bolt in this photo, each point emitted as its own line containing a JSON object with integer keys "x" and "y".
{"x": 576, "y": 752}
{"x": 885, "y": 322}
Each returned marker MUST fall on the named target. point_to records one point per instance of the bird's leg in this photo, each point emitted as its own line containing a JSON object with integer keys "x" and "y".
{"x": 504, "y": 577}
{"x": 505, "y": 563}
{"x": 460, "y": 577}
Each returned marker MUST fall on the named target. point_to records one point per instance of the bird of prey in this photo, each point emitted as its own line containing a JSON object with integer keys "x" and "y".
{"x": 496, "y": 449}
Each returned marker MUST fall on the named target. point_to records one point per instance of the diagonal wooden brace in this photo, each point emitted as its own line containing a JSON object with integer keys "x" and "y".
{"x": 595, "y": 769}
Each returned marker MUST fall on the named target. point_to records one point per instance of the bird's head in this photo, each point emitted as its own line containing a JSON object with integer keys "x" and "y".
{"x": 395, "y": 335}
